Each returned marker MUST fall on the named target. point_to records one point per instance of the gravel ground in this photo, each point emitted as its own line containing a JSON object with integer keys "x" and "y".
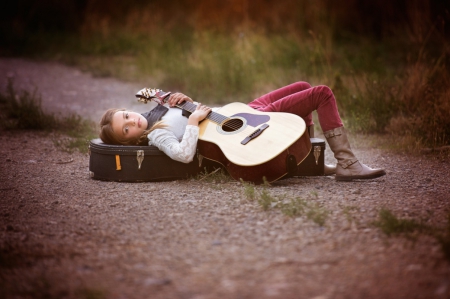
{"x": 64, "y": 235}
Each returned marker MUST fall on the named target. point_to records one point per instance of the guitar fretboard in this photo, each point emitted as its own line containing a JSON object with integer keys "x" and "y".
{"x": 213, "y": 116}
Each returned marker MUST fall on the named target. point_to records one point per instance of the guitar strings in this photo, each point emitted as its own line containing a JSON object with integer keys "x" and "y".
{"x": 231, "y": 123}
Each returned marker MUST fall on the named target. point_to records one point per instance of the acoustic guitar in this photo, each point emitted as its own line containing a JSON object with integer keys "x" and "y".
{"x": 253, "y": 146}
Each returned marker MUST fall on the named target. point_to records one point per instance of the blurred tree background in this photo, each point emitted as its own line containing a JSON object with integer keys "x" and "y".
{"x": 386, "y": 61}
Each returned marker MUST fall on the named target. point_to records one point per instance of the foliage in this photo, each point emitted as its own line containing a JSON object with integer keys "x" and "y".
{"x": 347, "y": 211}
{"x": 299, "y": 207}
{"x": 265, "y": 200}
{"x": 249, "y": 190}
{"x": 24, "y": 112}
{"x": 391, "y": 225}
{"x": 214, "y": 175}
{"x": 389, "y": 74}
{"x": 295, "y": 207}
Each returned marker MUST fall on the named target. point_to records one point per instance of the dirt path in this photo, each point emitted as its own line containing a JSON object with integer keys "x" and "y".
{"x": 64, "y": 235}
{"x": 66, "y": 89}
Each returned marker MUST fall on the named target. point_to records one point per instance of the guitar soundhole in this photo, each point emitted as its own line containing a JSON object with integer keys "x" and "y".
{"x": 232, "y": 125}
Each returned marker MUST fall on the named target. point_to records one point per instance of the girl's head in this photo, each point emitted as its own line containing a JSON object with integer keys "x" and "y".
{"x": 119, "y": 126}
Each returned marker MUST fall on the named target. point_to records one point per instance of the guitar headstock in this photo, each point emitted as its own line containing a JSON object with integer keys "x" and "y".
{"x": 148, "y": 94}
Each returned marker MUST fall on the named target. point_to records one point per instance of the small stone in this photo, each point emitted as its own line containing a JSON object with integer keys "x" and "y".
{"x": 157, "y": 281}
{"x": 414, "y": 267}
{"x": 216, "y": 243}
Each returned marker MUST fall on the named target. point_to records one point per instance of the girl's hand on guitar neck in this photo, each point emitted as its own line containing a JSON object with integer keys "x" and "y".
{"x": 178, "y": 98}
{"x": 200, "y": 113}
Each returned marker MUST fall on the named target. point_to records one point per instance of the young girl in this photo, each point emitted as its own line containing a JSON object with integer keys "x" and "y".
{"x": 177, "y": 135}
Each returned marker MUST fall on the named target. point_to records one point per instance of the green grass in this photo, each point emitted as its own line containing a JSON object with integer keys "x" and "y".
{"x": 391, "y": 225}
{"x": 295, "y": 207}
{"x": 249, "y": 190}
{"x": 300, "y": 207}
{"x": 214, "y": 176}
{"x": 317, "y": 214}
{"x": 23, "y": 111}
{"x": 265, "y": 200}
{"x": 348, "y": 212}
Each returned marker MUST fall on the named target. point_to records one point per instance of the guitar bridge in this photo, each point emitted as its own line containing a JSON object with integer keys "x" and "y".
{"x": 255, "y": 134}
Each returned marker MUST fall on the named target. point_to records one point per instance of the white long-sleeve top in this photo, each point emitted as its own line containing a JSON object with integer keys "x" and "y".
{"x": 178, "y": 140}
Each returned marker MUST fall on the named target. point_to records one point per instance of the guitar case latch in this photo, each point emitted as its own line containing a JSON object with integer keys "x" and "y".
{"x": 140, "y": 158}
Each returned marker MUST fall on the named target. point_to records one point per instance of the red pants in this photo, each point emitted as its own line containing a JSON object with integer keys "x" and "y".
{"x": 301, "y": 99}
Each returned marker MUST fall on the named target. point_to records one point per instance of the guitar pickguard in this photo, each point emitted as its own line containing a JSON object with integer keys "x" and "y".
{"x": 253, "y": 120}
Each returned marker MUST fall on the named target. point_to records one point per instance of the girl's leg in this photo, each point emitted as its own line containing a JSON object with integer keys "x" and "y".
{"x": 273, "y": 96}
{"x": 321, "y": 99}
{"x": 277, "y": 94}
{"x": 303, "y": 103}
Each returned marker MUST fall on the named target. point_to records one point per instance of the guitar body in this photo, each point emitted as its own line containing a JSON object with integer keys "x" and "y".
{"x": 266, "y": 155}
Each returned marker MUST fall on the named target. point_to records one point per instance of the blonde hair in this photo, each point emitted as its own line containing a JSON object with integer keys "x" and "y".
{"x": 108, "y": 136}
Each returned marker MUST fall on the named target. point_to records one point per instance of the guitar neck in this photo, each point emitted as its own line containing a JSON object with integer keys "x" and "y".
{"x": 213, "y": 116}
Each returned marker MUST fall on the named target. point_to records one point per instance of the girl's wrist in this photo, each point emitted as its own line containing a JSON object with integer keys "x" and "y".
{"x": 193, "y": 120}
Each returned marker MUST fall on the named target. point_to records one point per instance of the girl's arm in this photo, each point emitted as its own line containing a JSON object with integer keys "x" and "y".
{"x": 183, "y": 151}
{"x": 200, "y": 113}
{"x": 178, "y": 98}
{"x": 167, "y": 142}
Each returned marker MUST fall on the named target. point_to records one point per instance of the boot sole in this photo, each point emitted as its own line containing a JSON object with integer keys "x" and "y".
{"x": 360, "y": 177}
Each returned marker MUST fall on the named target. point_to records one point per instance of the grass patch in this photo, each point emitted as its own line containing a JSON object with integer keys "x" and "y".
{"x": 348, "y": 212}
{"x": 249, "y": 190}
{"x": 23, "y": 111}
{"x": 265, "y": 200}
{"x": 214, "y": 175}
{"x": 317, "y": 214}
{"x": 295, "y": 207}
{"x": 300, "y": 207}
{"x": 391, "y": 225}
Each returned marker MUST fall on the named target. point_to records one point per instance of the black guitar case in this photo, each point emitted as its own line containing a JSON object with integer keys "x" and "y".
{"x": 314, "y": 163}
{"x": 127, "y": 163}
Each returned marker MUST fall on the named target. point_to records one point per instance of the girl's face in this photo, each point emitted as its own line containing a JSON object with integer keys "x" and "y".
{"x": 128, "y": 125}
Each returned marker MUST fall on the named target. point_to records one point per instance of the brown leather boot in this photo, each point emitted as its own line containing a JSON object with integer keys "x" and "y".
{"x": 348, "y": 167}
{"x": 329, "y": 169}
